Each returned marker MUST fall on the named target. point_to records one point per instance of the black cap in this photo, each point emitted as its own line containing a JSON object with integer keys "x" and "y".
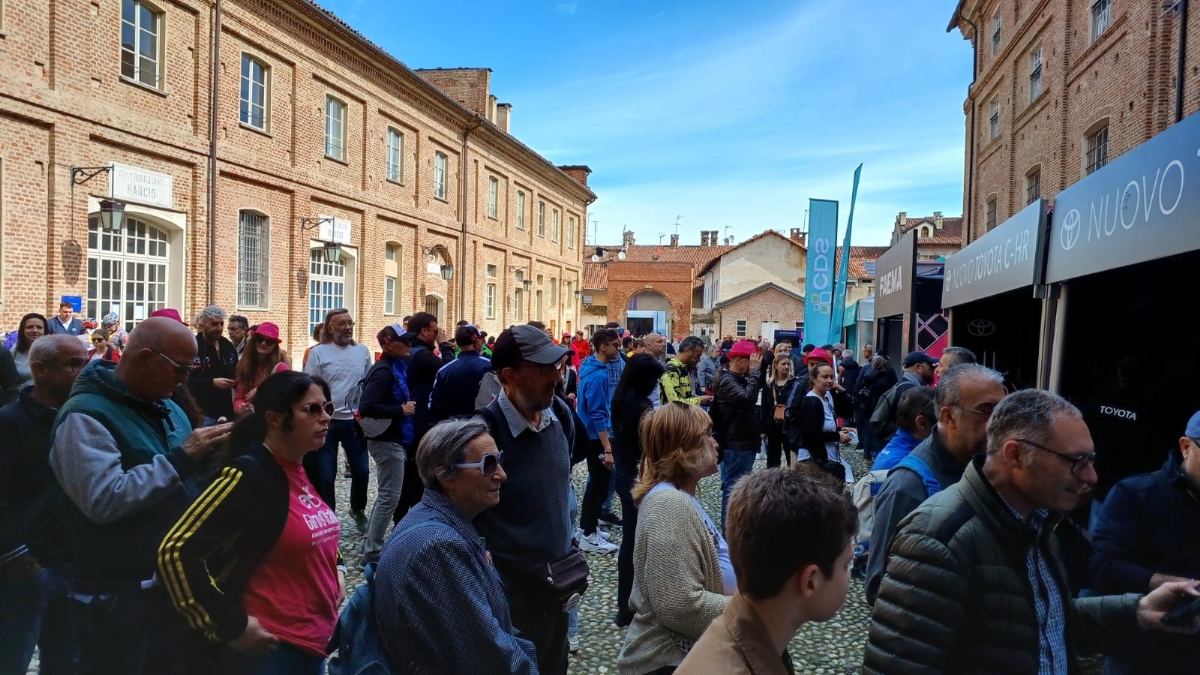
{"x": 525, "y": 343}
{"x": 914, "y": 358}
{"x": 466, "y": 335}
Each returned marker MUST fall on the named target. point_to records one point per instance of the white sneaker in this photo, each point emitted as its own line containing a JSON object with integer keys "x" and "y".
{"x": 603, "y": 535}
{"x": 594, "y": 544}
{"x": 573, "y": 643}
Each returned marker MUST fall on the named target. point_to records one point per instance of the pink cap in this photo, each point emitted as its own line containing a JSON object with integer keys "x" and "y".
{"x": 168, "y": 313}
{"x": 819, "y": 354}
{"x": 742, "y": 348}
{"x": 268, "y": 330}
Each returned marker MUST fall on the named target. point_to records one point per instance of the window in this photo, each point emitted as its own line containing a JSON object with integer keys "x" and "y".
{"x": 1035, "y": 75}
{"x": 990, "y": 220}
{"x": 389, "y": 295}
{"x": 395, "y": 155}
{"x": 1033, "y": 187}
{"x": 519, "y": 305}
{"x": 1097, "y": 151}
{"x": 389, "y": 252}
{"x": 126, "y": 270}
{"x": 391, "y": 271}
{"x": 996, "y": 34}
{"x": 252, "y": 259}
{"x": 490, "y": 270}
{"x": 489, "y": 301}
{"x": 141, "y": 46}
{"x": 1101, "y": 17}
{"x": 570, "y": 231}
{"x": 520, "y": 210}
{"x": 493, "y": 189}
{"x": 741, "y": 328}
{"x": 326, "y": 287}
{"x": 541, "y": 219}
{"x": 335, "y": 129}
{"x": 570, "y": 294}
{"x": 554, "y": 225}
{"x": 553, "y": 291}
{"x": 994, "y": 121}
{"x": 253, "y": 111}
{"x": 439, "y": 175}
{"x": 538, "y": 306}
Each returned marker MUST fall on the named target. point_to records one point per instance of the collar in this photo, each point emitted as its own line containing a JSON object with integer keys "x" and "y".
{"x": 451, "y": 514}
{"x": 517, "y": 424}
{"x": 749, "y": 633}
{"x": 941, "y": 454}
{"x": 1001, "y": 518}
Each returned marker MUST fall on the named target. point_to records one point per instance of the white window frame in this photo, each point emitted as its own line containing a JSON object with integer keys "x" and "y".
{"x": 571, "y": 232}
{"x": 994, "y": 121}
{"x": 395, "y": 155}
{"x": 1100, "y": 18}
{"x": 489, "y": 300}
{"x": 493, "y": 196}
{"x": 254, "y": 260}
{"x": 1035, "y": 74}
{"x": 554, "y": 225}
{"x": 335, "y": 128}
{"x": 439, "y": 175}
{"x": 389, "y": 295}
{"x": 246, "y": 106}
{"x": 160, "y": 18}
{"x": 541, "y": 218}
{"x": 997, "y": 24}
{"x": 520, "y": 209}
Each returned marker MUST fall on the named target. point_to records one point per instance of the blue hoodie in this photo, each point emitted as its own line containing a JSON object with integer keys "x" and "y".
{"x": 896, "y": 449}
{"x": 595, "y": 396}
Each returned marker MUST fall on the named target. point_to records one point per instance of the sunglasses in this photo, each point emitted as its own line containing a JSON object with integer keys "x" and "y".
{"x": 487, "y": 465}
{"x": 98, "y": 339}
{"x": 315, "y": 409}
{"x": 179, "y": 370}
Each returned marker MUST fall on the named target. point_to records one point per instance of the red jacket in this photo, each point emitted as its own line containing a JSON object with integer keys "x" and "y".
{"x": 582, "y": 349}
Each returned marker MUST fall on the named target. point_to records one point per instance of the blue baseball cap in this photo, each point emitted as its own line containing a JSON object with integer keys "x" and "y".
{"x": 1193, "y": 427}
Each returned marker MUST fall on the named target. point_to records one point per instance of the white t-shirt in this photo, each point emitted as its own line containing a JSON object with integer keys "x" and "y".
{"x": 831, "y": 447}
{"x": 342, "y": 368}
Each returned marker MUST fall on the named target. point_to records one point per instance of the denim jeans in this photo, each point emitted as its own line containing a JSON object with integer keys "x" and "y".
{"x": 389, "y": 472}
{"x": 284, "y": 659}
{"x": 624, "y": 479}
{"x": 866, "y": 438}
{"x": 321, "y": 464}
{"x": 36, "y": 611}
{"x": 734, "y": 465}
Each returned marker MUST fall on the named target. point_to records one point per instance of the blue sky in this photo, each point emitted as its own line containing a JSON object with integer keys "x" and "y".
{"x": 724, "y": 113}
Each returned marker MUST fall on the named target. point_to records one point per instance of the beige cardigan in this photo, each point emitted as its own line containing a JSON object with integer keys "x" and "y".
{"x": 677, "y": 584}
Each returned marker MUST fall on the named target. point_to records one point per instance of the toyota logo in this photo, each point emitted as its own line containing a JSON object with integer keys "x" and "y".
{"x": 981, "y": 327}
{"x": 1069, "y": 234}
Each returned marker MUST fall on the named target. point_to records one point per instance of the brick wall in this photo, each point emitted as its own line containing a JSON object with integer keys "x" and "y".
{"x": 770, "y": 304}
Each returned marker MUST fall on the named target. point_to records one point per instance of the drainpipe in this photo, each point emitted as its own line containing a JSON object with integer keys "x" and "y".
{"x": 212, "y": 159}
{"x": 969, "y": 216}
{"x": 1179, "y": 71}
{"x": 462, "y": 240}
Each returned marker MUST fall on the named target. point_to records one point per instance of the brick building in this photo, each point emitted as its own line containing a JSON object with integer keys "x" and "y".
{"x": 937, "y": 237}
{"x": 319, "y": 135}
{"x": 1060, "y": 88}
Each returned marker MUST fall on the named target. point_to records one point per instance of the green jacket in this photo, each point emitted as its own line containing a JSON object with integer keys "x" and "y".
{"x": 120, "y": 470}
{"x": 676, "y": 384}
{"x": 956, "y": 596}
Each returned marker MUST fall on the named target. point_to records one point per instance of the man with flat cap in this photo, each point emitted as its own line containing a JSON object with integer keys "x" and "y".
{"x": 530, "y": 528}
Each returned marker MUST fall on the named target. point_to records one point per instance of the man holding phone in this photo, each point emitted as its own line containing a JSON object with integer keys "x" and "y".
{"x": 1146, "y": 539}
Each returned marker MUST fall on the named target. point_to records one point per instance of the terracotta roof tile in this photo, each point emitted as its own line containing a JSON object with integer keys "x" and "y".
{"x": 595, "y": 274}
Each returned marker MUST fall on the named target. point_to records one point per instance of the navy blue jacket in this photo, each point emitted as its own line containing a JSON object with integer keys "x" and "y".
{"x": 1148, "y": 526}
{"x": 456, "y": 385}
{"x": 25, "y": 482}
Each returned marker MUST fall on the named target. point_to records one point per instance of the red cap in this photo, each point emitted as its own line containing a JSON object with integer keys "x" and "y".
{"x": 168, "y": 313}
{"x": 268, "y": 330}
{"x": 742, "y": 348}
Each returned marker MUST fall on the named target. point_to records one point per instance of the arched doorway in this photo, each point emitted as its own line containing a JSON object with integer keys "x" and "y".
{"x": 435, "y": 306}
{"x": 648, "y": 312}
{"x": 127, "y": 270}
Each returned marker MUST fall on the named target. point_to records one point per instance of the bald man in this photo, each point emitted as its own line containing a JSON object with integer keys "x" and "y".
{"x": 121, "y": 452}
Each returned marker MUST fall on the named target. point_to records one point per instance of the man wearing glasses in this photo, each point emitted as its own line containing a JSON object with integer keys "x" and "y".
{"x": 976, "y": 581}
{"x": 121, "y": 454}
{"x": 1145, "y": 537}
{"x": 965, "y": 399}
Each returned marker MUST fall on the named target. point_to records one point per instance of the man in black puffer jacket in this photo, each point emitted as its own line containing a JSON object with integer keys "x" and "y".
{"x": 735, "y": 425}
{"x": 974, "y": 580}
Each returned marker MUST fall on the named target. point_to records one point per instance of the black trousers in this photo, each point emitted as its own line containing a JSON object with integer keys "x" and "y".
{"x": 597, "y": 487}
{"x": 411, "y": 490}
{"x": 625, "y": 477}
{"x": 545, "y": 625}
{"x": 775, "y": 441}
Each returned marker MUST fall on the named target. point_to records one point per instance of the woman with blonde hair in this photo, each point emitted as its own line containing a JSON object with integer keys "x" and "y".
{"x": 775, "y": 393}
{"x": 682, "y": 573}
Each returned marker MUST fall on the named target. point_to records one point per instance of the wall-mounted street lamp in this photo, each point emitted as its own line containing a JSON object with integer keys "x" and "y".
{"x": 112, "y": 211}
{"x": 333, "y": 250}
{"x": 527, "y": 284}
{"x": 447, "y": 270}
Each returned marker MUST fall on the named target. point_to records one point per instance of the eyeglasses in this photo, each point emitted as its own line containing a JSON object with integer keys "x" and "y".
{"x": 315, "y": 409}
{"x": 487, "y": 464}
{"x": 98, "y": 339}
{"x": 341, "y": 325}
{"x": 1077, "y": 462}
{"x": 179, "y": 370}
{"x": 986, "y": 412}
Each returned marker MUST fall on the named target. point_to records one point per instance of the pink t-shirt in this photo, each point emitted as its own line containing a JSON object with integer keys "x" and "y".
{"x": 294, "y": 592}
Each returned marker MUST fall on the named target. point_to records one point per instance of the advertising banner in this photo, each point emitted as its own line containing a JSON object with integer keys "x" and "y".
{"x": 1005, "y": 259}
{"x": 895, "y": 276}
{"x": 839, "y": 294}
{"x": 819, "y": 276}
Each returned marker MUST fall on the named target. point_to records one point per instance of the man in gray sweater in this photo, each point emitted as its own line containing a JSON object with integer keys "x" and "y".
{"x": 965, "y": 399}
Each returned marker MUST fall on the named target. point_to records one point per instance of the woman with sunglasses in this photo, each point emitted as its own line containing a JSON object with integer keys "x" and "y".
{"x": 102, "y": 348}
{"x": 814, "y": 430}
{"x": 682, "y": 572}
{"x": 261, "y": 358}
{"x": 254, "y": 563}
{"x": 439, "y": 602}
{"x": 32, "y": 327}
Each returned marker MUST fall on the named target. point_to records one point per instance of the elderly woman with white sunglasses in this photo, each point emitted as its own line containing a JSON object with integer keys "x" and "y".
{"x": 439, "y": 603}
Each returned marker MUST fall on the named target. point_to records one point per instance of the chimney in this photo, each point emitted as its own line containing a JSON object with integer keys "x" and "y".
{"x": 504, "y": 119}
{"x": 674, "y": 241}
{"x": 579, "y": 172}
{"x": 627, "y": 238}
{"x": 937, "y": 219}
{"x": 704, "y": 237}
{"x": 902, "y": 221}
{"x": 795, "y": 234}
{"x": 491, "y": 108}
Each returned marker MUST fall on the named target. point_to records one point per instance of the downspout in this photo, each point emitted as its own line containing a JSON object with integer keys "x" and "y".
{"x": 462, "y": 240}
{"x": 212, "y": 159}
{"x": 970, "y": 214}
{"x": 1179, "y": 72}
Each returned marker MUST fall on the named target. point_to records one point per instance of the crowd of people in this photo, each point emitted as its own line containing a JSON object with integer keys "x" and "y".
{"x": 167, "y": 504}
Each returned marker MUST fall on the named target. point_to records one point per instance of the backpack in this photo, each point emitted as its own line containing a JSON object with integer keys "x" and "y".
{"x": 356, "y": 636}
{"x": 864, "y": 491}
{"x": 489, "y": 389}
{"x": 883, "y": 420}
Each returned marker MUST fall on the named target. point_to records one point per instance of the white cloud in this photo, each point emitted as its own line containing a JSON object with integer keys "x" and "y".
{"x": 566, "y": 7}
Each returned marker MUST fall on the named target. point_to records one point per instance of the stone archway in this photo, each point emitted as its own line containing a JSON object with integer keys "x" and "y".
{"x": 648, "y": 311}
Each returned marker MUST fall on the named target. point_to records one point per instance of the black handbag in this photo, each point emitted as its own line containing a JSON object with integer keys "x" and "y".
{"x": 563, "y": 581}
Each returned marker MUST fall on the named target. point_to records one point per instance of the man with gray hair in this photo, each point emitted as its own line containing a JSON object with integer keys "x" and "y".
{"x": 212, "y": 380}
{"x": 952, "y": 356}
{"x": 976, "y": 579}
{"x": 964, "y": 402}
